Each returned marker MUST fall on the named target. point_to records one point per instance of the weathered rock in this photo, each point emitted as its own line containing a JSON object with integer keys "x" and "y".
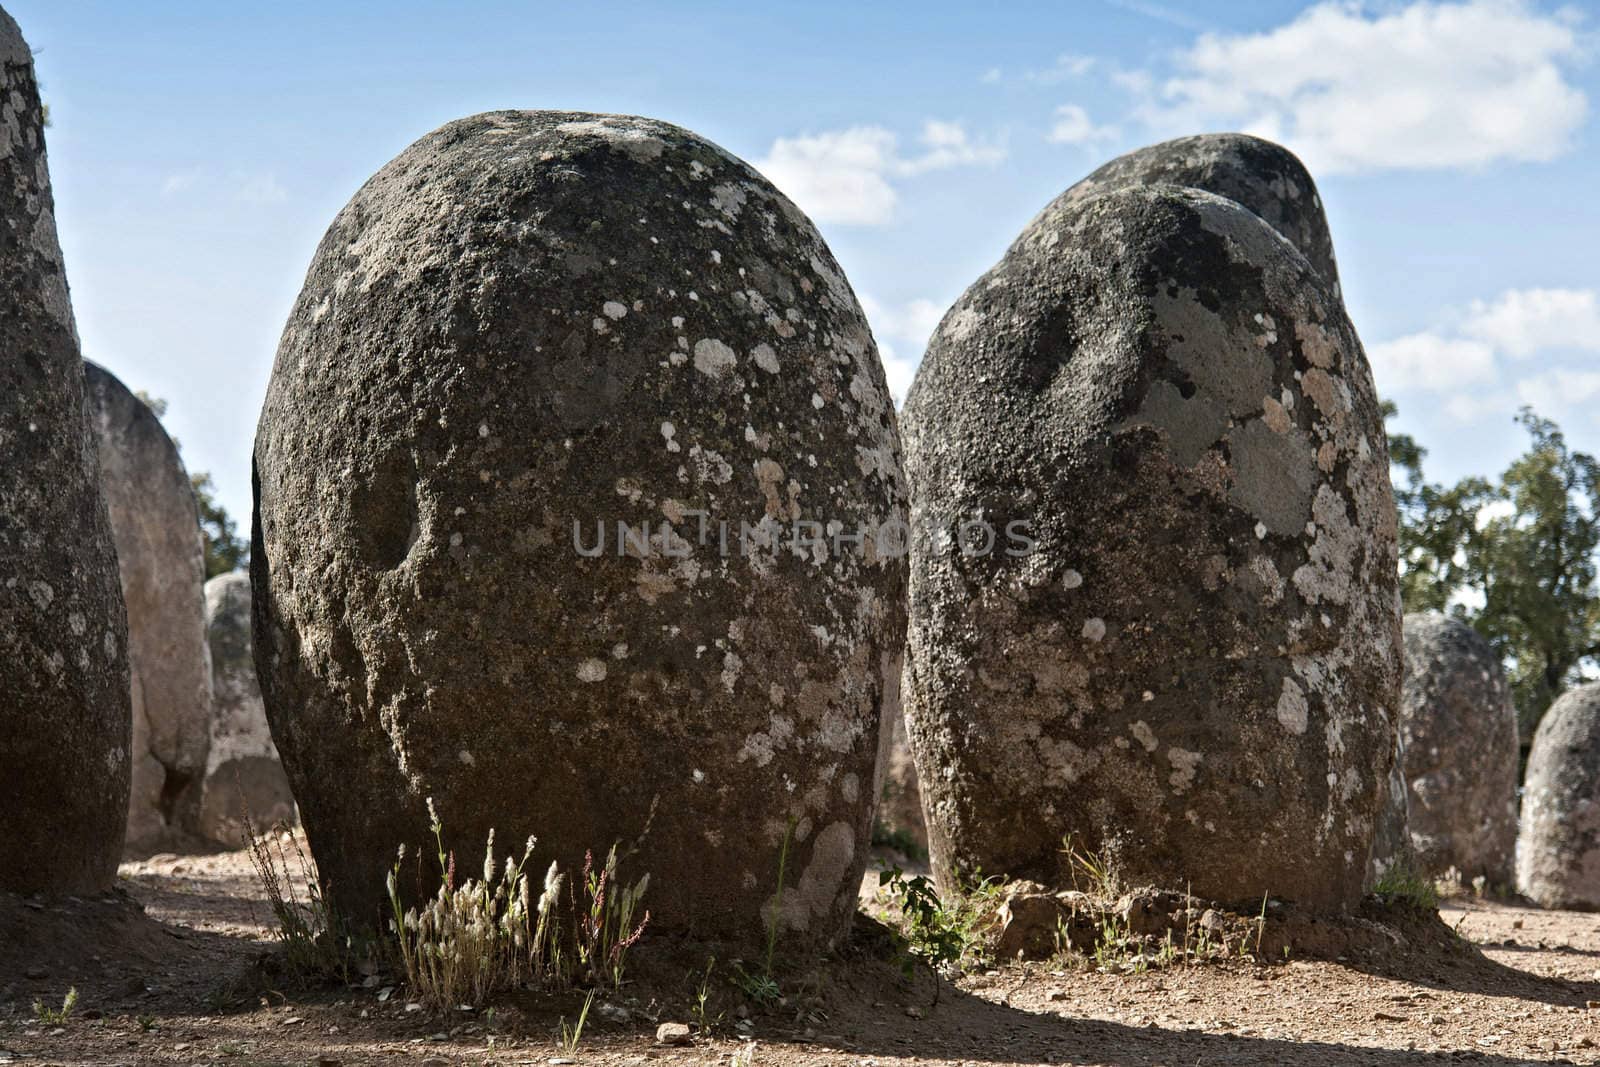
{"x": 1458, "y": 730}
{"x": 162, "y": 563}
{"x": 1197, "y": 670}
{"x": 1558, "y": 848}
{"x": 1391, "y": 837}
{"x": 1265, "y": 177}
{"x": 243, "y": 774}
{"x": 527, "y": 325}
{"x": 899, "y": 798}
{"x": 63, "y": 630}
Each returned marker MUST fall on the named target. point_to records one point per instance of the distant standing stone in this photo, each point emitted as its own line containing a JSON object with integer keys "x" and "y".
{"x": 1558, "y": 850}
{"x": 1197, "y": 671}
{"x": 529, "y": 328}
{"x": 162, "y": 563}
{"x": 63, "y": 629}
{"x": 1458, "y": 729}
{"x": 243, "y": 773}
{"x": 1264, "y": 177}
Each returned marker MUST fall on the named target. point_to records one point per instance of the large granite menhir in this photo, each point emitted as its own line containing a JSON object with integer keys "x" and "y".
{"x": 162, "y": 562}
{"x": 63, "y": 629}
{"x": 1558, "y": 849}
{"x": 1458, "y": 729}
{"x": 244, "y": 781}
{"x": 527, "y": 328}
{"x": 1197, "y": 670}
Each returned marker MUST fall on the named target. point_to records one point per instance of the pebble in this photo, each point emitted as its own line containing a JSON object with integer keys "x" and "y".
{"x": 674, "y": 1034}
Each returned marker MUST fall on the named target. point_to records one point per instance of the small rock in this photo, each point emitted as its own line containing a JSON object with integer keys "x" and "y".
{"x": 1057, "y": 994}
{"x": 329, "y": 1061}
{"x": 674, "y": 1034}
{"x": 914, "y": 1012}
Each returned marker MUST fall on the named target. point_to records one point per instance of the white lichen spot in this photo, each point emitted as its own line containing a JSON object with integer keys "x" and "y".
{"x": 713, "y": 358}
{"x": 1261, "y": 531}
{"x": 619, "y": 650}
{"x": 614, "y": 310}
{"x": 466, "y": 757}
{"x": 1094, "y": 629}
{"x": 592, "y": 670}
{"x": 698, "y": 775}
{"x": 667, "y": 432}
{"x": 1293, "y": 711}
{"x": 1183, "y": 763}
{"x": 817, "y": 401}
{"x": 1072, "y": 579}
{"x": 1144, "y": 735}
{"x": 765, "y": 358}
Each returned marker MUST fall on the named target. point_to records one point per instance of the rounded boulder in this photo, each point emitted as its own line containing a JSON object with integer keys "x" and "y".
{"x": 1458, "y": 730}
{"x": 1558, "y": 848}
{"x": 1187, "y": 661}
{"x": 572, "y": 483}
{"x": 63, "y": 627}
{"x": 244, "y": 780}
{"x": 1265, "y": 178}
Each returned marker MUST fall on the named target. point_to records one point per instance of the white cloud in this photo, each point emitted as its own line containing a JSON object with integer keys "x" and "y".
{"x": 1420, "y": 86}
{"x": 1429, "y": 361}
{"x": 1521, "y": 322}
{"x": 260, "y": 189}
{"x": 911, "y": 324}
{"x": 1073, "y": 126}
{"x": 990, "y": 76}
{"x": 848, "y": 176}
{"x": 1559, "y": 390}
{"x": 1065, "y": 67}
{"x": 179, "y": 182}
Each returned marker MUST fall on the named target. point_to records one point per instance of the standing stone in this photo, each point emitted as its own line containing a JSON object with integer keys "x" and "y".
{"x": 1196, "y": 671}
{"x": 526, "y": 329}
{"x": 1558, "y": 849}
{"x": 1264, "y": 177}
{"x": 1458, "y": 731}
{"x": 243, "y": 773}
{"x": 162, "y": 562}
{"x": 63, "y": 630}
{"x": 899, "y": 796}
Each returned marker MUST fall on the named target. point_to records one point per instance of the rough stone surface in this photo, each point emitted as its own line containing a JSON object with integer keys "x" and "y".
{"x": 243, "y": 773}
{"x": 162, "y": 563}
{"x": 899, "y": 797}
{"x": 1391, "y": 838}
{"x": 1458, "y": 732}
{"x": 63, "y": 630}
{"x": 1558, "y": 848}
{"x": 1197, "y": 671}
{"x": 526, "y": 324}
{"x": 1265, "y": 177}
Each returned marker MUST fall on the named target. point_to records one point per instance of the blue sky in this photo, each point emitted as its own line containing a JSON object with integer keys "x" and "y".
{"x": 199, "y": 151}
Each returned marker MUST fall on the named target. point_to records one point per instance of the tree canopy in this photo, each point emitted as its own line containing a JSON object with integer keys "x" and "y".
{"x": 1513, "y": 557}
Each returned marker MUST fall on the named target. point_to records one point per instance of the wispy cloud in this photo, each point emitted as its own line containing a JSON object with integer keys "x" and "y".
{"x": 902, "y": 332}
{"x": 849, "y": 176}
{"x": 1072, "y": 125}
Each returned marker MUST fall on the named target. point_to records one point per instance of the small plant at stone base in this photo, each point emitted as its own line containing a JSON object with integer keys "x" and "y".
{"x": 571, "y": 1036}
{"x": 746, "y": 1056}
{"x": 146, "y": 1023}
{"x": 763, "y": 988}
{"x": 472, "y": 940}
{"x": 313, "y": 940}
{"x": 55, "y": 1016}
{"x": 943, "y": 934}
{"x": 1093, "y": 874}
{"x": 1402, "y": 884}
{"x": 605, "y": 929}
{"x": 700, "y": 1009}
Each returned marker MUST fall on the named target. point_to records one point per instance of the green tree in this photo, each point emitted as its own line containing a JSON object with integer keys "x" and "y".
{"x": 1514, "y": 558}
{"x": 225, "y": 550}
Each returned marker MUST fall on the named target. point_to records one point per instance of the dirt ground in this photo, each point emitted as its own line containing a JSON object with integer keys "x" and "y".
{"x": 190, "y": 979}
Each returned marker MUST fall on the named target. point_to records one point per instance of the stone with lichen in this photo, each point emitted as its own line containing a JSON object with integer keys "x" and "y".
{"x": 63, "y": 627}
{"x": 1458, "y": 730}
{"x": 161, "y": 560}
{"x": 244, "y": 782}
{"x": 1558, "y": 846}
{"x": 526, "y": 329}
{"x": 1196, "y": 673}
